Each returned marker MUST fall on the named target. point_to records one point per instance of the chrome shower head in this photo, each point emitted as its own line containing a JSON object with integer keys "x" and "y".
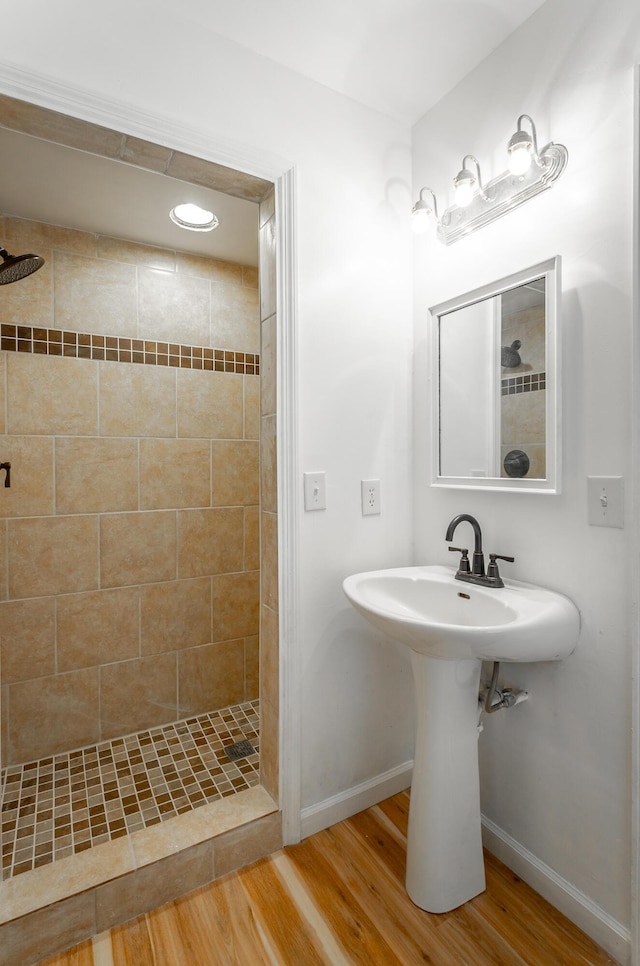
{"x": 15, "y": 267}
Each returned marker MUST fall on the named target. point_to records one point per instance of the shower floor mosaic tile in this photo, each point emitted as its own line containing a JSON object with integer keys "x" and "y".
{"x": 64, "y": 804}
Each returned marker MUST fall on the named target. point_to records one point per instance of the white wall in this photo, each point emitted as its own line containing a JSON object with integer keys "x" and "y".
{"x": 354, "y": 324}
{"x": 555, "y": 771}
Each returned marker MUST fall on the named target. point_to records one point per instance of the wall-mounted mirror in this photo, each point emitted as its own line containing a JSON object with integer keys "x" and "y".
{"x": 495, "y": 401}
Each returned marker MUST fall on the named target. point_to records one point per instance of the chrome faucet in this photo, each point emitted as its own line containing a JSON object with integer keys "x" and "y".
{"x": 475, "y": 573}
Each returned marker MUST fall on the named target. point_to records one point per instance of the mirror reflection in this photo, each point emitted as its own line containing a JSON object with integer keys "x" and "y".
{"x": 492, "y": 386}
{"x": 495, "y": 396}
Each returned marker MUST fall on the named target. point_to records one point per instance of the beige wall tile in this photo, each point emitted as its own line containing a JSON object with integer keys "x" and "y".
{"x": 41, "y": 122}
{"x": 27, "y": 638}
{"x": 210, "y": 541}
{"x": 173, "y": 307}
{"x": 137, "y": 694}
{"x": 152, "y": 886}
{"x": 52, "y": 555}
{"x": 47, "y": 396}
{"x": 39, "y": 935}
{"x": 96, "y": 475}
{"x": 175, "y": 615}
{"x": 53, "y": 714}
{"x": 3, "y": 370}
{"x": 268, "y": 366}
{"x": 210, "y": 677}
{"x": 186, "y": 167}
{"x": 524, "y": 417}
{"x": 267, "y": 269}
{"x": 144, "y": 154}
{"x": 269, "y": 558}
{"x": 241, "y": 846}
{"x": 118, "y": 250}
{"x": 250, "y": 276}
{"x": 269, "y": 464}
{"x": 269, "y": 655}
{"x": 94, "y": 295}
{"x": 252, "y": 407}
{"x": 35, "y": 236}
{"x": 251, "y": 538}
{"x": 97, "y": 628}
{"x": 137, "y": 548}
{"x": 235, "y": 473}
{"x": 210, "y": 405}
{"x": 137, "y": 400}
{"x": 236, "y": 600}
{"x": 31, "y": 490}
{"x": 4, "y": 576}
{"x": 251, "y": 668}
{"x": 32, "y": 302}
{"x": 213, "y": 269}
{"x": 235, "y": 321}
{"x": 4, "y": 727}
{"x": 174, "y": 473}
{"x": 269, "y": 745}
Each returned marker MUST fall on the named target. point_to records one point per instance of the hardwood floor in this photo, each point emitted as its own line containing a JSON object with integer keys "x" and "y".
{"x": 338, "y": 899}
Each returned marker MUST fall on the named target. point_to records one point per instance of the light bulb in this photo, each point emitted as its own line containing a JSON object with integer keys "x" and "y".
{"x": 520, "y": 160}
{"x": 420, "y": 219}
{"x": 464, "y": 192}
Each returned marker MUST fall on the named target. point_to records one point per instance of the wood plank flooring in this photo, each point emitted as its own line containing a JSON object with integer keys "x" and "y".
{"x": 338, "y": 899}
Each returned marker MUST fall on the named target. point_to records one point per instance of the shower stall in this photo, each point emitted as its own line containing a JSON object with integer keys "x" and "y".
{"x": 140, "y": 564}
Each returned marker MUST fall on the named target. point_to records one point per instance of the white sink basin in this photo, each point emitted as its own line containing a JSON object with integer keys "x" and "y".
{"x": 430, "y": 611}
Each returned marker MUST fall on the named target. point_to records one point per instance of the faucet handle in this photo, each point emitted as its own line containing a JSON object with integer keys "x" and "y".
{"x": 492, "y": 569}
{"x": 463, "y": 566}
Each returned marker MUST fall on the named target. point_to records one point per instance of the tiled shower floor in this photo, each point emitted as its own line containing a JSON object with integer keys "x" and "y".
{"x": 67, "y": 803}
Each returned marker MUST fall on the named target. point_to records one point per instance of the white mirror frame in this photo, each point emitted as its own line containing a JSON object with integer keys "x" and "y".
{"x": 550, "y": 269}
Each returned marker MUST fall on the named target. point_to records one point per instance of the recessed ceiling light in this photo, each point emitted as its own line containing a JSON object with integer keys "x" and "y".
{"x": 193, "y": 217}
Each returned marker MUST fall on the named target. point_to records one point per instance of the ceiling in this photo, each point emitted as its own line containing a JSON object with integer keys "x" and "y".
{"x": 396, "y": 56}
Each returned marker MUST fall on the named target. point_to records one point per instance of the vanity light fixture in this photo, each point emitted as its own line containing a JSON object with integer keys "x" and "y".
{"x": 421, "y": 211}
{"x": 193, "y": 217}
{"x": 465, "y": 182}
{"x": 530, "y": 171}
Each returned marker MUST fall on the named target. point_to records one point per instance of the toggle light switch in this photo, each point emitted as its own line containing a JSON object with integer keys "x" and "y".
{"x": 315, "y": 493}
{"x": 605, "y": 501}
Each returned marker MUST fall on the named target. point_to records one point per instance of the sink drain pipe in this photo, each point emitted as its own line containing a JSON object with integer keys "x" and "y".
{"x": 506, "y": 697}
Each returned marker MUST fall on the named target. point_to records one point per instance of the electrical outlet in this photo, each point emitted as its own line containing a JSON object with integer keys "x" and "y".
{"x": 370, "y": 493}
{"x": 315, "y": 493}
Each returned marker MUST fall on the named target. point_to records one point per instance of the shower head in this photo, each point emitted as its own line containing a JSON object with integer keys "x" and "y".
{"x": 15, "y": 267}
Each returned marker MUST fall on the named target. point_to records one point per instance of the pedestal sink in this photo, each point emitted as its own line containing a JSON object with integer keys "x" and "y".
{"x": 451, "y": 627}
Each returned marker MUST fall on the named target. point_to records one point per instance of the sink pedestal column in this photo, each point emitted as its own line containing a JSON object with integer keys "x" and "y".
{"x": 445, "y": 866}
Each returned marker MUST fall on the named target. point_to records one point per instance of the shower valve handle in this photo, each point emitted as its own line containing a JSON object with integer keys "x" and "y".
{"x": 7, "y": 468}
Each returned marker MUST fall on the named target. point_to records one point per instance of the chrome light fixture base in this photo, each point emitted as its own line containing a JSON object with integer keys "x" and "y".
{"x": 503, "y": 194}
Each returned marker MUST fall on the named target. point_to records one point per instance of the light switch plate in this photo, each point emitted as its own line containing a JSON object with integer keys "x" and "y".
{"x": 605, "y": 500}
{"x": 315, "y": 491}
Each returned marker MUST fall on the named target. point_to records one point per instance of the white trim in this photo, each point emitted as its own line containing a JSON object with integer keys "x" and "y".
{"x": 314, "y": 818}
{"x": 288, "y": 509}
{"x": 635, "y": 530}
{"x": 579, "y": 908}
{"x": 86, "y": 106}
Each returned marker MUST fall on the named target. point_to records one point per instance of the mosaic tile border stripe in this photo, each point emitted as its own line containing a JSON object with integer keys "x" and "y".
{"x": 67, "y": 803}
{"x": 531, "y": 382}
{"x": 81, "y": 345}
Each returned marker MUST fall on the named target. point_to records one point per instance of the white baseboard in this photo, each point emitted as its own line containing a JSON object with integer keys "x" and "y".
{"x": 575, "y": 905}
{"x": 341, "y": 806}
